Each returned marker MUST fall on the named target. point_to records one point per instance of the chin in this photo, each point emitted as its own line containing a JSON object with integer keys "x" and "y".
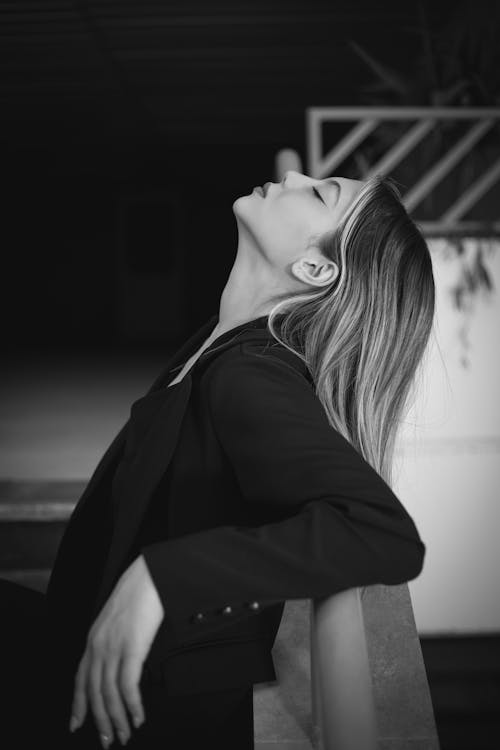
{"x": 241, "y": 202}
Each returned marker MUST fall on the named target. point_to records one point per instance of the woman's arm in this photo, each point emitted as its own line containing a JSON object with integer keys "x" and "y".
{"x": 344, "y": 526}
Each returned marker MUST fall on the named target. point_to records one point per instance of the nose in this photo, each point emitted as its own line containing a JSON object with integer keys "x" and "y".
{"x": 290, "y": 176}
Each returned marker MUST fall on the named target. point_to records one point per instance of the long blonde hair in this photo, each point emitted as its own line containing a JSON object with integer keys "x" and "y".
{"x": 363, "y": 337}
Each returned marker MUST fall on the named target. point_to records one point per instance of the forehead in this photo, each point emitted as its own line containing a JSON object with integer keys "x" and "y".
{"x": 349, "y": 184}
{"x": 347, "y": 181}
{"x": 349, "y": 188}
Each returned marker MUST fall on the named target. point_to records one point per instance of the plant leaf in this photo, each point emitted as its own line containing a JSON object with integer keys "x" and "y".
{"x": 392, "y": 80}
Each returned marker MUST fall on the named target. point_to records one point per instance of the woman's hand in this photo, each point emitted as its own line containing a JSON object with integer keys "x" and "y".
{"x": 117, "y": 644}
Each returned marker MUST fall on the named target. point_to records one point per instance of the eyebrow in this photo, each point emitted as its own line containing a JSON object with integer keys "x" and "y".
{"x": 334, "y": 182}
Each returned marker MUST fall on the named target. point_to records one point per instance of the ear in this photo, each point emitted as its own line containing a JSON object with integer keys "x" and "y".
{"x": 315, "y": 271}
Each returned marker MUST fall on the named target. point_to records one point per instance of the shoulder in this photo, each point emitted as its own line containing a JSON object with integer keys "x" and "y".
{"x": 251, "y": 362}
{"x": 253, "y": 383}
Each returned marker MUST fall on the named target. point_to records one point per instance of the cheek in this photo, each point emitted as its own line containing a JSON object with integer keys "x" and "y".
{"x": 289, "y": 228}
{"x": 281, "y": 245}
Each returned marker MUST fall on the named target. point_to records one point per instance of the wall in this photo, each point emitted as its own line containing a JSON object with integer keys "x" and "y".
{"x": 448, "y": 460}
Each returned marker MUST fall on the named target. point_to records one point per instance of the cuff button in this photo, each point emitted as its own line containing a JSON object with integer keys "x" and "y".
{"x": 254, "y": 605}
{"x": 199, "y": 617}
{"x": 227, "y": 610}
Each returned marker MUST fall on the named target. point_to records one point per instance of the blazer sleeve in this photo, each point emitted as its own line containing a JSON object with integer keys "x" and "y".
{"x": 343, "y": 526}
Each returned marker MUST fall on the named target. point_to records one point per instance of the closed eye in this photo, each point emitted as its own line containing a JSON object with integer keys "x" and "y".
{"x": 318, "y": 195}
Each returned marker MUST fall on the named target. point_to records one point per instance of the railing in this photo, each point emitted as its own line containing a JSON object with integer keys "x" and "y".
{"x": 367, "y": 119}
{"x": 343, "y": 699}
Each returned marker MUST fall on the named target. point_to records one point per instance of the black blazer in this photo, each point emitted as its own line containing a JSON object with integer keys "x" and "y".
{"x": 267, "y": 502}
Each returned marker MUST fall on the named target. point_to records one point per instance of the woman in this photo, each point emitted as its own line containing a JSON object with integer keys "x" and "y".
{"x": 256, "y": 469}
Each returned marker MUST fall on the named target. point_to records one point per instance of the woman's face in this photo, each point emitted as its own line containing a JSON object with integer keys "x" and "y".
{"x": 283, "y": 223}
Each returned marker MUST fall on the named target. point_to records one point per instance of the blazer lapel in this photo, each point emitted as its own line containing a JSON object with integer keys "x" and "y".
{"x": 113, "y": 451}
{"x": 143, "y": 474}
{"x": 186, "y": 350}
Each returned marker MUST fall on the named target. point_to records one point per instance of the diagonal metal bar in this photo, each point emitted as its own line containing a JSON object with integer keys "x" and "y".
{"x": 346, "y": 146}
{"x": 472, "y": 194}
{"x": 446, "y": 163}
{"x": 321, "y": 165}
{"x": 402, "y": 147}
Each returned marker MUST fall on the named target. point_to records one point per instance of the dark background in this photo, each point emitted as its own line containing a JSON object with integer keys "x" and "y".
{"x": 129, "y": 128}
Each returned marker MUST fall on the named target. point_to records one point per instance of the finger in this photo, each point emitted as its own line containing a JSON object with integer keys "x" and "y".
{"x": 79, "y": 704}
{"x": 113, "y": 699}
{"x": 130, "y": 673}
{"x": 102, "y": 720}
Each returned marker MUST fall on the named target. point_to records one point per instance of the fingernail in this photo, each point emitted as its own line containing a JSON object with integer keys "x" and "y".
{"x": 137, "y": 720}
{"x": 73, "y": 723}
{"x": 122, "y": 736}
{"x": 104, "y": 740}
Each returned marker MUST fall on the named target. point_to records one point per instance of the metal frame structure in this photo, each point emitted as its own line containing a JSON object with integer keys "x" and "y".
{"x": 367, "y": 119}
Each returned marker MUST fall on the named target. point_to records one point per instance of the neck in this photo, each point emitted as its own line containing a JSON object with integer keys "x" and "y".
{"x": 248, "y": 291}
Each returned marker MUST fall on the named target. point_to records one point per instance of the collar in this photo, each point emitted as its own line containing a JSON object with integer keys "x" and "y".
{"x": 259, "y": 323}
{"x": 254, "y": 329}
